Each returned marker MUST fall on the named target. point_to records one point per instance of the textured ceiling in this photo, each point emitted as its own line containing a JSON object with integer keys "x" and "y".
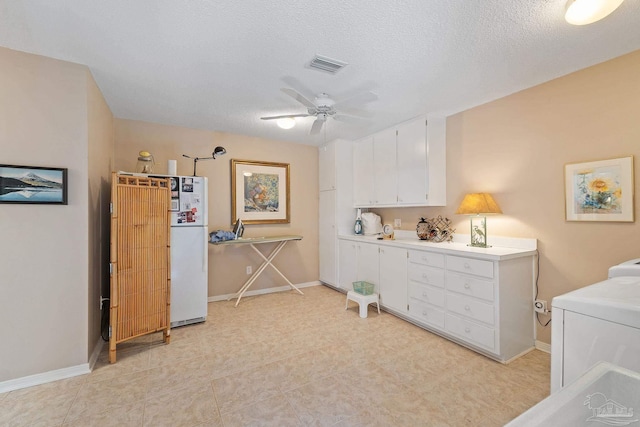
{"x": 219, "y": 65}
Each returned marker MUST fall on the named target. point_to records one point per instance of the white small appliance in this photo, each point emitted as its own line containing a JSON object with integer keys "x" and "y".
{"x": 600, "y": 322}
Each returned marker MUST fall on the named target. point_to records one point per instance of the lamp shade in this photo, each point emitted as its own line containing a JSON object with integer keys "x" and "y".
{"x": 478, "y": 204}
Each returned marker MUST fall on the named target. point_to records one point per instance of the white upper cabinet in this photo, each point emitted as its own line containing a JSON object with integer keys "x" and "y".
{"x": 412, "y": 163}
{"x": 385, "y": 181}
{"x": 327, "y": 167}
{"x": 402, "y": 166}
{"x": 363, "y": 172}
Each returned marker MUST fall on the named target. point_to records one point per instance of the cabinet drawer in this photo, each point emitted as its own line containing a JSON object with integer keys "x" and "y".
{"x": 424, "y": 274}
{"x": 471, "y": 266}
{"x": 423, "y": 313}
{"x": 427, "y": 258}
{"x": 471, "y": 286}
{"x": 470, "y": 307}
{"x": 427, "y": 294}
{"x": 471, "y": 332}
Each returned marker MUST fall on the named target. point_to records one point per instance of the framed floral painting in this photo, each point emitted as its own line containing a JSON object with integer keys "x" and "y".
{"x": 260, "y": 192}
{"x": 600, "y": 191}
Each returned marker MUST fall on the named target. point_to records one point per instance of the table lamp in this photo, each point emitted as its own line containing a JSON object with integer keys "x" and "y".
{"x": 478, "y": 205}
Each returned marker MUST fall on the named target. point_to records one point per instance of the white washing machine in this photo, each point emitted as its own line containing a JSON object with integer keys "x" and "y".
{"x": 600, "y": 322}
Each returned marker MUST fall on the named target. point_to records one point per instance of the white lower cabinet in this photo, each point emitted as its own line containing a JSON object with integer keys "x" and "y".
{"x": 481, "y": 300}
{"x": 393, "y": 278}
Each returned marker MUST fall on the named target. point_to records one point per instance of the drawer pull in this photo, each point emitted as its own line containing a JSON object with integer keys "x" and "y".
{"x": 466, "y": 285}
{"x": 467, "y": 308}
{"x": 467, "y": 329}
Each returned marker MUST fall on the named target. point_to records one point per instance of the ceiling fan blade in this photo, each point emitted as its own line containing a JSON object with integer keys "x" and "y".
{"x": 317, "y": 125}
{"x": 298, "y": 97}
{"x": 357, "y": 112}
{"x": 362, "y": 98}
{"x": 284, "y": 116}
{"x": 348, "y": 119}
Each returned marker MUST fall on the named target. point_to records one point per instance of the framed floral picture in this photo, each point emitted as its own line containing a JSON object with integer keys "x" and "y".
{"x": 600, "y": 191}
{"x": 260, "y": 192}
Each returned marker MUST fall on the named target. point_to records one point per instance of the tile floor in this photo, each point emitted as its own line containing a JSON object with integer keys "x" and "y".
{"x": 288, "y": 360}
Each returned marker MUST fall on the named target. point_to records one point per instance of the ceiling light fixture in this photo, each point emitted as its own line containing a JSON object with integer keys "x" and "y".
{"x": 286, "y": 122}
{"x": 583, "y": 12}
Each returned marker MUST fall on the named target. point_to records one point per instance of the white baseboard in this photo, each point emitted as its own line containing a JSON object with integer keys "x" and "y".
{"x": 45, "y": 377}
{"x": 263, "y": 291}
{"x": 543, "y": 346}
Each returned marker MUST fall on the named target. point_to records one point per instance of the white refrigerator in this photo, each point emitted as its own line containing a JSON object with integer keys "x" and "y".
{"x": 189, "y": 250}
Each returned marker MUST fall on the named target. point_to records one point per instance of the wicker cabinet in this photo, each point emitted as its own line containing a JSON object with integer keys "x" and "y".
{"x": 140, "y": 259}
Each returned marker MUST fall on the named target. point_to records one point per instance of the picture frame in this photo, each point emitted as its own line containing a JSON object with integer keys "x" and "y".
{"x": 600, "y": 190}
{"x": 33, "y": 185}
{"x": 260, "y": 192}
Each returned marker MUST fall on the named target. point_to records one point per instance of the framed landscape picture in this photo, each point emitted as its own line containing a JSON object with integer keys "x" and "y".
{"x": 600, "y": 191}
{"x": 260, "y": 192}
{"x": 33, "y": 184}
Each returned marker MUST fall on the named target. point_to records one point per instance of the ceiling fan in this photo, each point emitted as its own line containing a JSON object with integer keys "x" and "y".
{"x": 322, "y": 107}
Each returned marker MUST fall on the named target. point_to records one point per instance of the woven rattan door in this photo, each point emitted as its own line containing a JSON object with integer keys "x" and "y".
{"x": 140, "y": 259}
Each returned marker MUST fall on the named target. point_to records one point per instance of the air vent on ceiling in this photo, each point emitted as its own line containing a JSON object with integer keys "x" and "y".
{"x": 327, "y": 64}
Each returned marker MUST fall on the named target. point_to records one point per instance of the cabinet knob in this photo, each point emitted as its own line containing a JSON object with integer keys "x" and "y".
{"x": 467, "y": 329}
{"x": 466, "y": 285}
{"x": 424, "y": 275}
{"x": 466, "y": 265}
{"x": 424, "y": 294}
{"x": 467, "y": 308}
{"x": 425, "y": 313}
{"x": 424, "y": 258}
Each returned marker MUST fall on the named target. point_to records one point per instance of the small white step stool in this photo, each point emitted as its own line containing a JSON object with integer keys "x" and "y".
{"x": 363, "y": 301}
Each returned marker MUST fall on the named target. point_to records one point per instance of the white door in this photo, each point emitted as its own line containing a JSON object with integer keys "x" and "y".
{"x": 327, "y": 237}
{"x": 189, "y": 288}
{"x": 393, "y": 278}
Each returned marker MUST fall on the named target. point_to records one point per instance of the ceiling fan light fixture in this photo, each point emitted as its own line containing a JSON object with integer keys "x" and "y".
{"x": 583, "y": 12}
{"x": 286, "y": 122}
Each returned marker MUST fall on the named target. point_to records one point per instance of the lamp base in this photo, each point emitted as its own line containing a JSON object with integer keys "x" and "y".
{"x": 478, "y": 245}
{"x": 478, "y": 232}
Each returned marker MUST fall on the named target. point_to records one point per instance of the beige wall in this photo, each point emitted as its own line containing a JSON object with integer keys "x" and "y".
{"x": 298, "y": 260}
{"x": 43, "y": 249}
{"x": 516, "y": 149}
{"x": 101, "y": 158}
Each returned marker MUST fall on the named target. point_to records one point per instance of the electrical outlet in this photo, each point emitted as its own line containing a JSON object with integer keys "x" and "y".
{"x": 249, "y": 269}
{"x": 397, "y": 223}
{"x": 540, "y": 306}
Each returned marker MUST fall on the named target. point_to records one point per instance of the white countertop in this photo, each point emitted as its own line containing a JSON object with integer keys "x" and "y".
{"x": 616, "y": 300}
{"x": 409, "y": 240}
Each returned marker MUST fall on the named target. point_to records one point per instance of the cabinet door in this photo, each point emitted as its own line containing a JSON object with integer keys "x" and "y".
{"x": 368, "y": 264}
{"x": 393, "y": 278}
{"x": 327, "y": 237}
{"x": 347, "y": 264}
{"x": 327, "y": 166}
{"x": 412, "y": 162}
{"x": 385, "y": 182}
{"x": 363, "y": 185}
